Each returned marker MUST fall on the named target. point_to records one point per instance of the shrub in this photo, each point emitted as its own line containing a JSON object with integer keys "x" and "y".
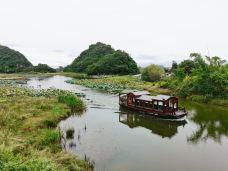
{"x": 152, "y": 73}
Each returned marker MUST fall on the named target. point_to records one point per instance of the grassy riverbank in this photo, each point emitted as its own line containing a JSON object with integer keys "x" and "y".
{"x": 29, "y": 138}
{"x": 114, "y": 84}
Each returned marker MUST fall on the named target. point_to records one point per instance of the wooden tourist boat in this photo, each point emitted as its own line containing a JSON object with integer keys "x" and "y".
{"x": 162, "y": 106}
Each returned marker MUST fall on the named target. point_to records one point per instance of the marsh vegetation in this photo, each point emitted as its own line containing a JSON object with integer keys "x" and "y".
{"x": 29, "y": 138}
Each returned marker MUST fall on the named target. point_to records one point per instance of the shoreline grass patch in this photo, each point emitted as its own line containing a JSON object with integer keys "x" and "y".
{"x": 29, "y": 138}
{"x": 72, "y": 101}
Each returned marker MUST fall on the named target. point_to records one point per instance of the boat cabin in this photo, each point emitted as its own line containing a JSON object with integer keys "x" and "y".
{"x": 143, "y": 101}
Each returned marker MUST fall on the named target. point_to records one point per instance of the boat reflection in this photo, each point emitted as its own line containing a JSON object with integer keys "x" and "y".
{"x": 161, "y": 127}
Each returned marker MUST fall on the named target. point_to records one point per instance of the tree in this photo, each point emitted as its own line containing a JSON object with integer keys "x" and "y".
{"x": 215, "y": 61}
{"x": 187, "y": 66}
{"x": 43, "y": 68}
{"x": 206, "y": 79}
{"x": 174, "y": 65}
{"x": 152, "y": 73}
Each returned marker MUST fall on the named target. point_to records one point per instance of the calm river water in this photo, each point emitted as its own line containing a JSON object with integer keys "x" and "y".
{"x": 123, "y": 141}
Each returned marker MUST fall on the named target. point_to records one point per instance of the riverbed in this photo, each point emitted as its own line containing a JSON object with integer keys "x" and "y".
{"x": 120, "y": 140}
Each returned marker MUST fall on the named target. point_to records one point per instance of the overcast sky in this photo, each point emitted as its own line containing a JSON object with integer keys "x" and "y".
{"x": 151, "y": 31}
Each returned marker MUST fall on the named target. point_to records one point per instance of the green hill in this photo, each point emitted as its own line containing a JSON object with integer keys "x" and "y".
{"x": 100, "y": 58}
{"x": 43, "y": 68}
{"x": 12, "y": 61}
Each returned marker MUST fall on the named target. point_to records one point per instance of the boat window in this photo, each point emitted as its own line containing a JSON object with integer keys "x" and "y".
{"x": 170, "y": 104}
{"x": 137, "y": 103}
{"x": 156, "y": 105}
{"x": 160, "y": 103}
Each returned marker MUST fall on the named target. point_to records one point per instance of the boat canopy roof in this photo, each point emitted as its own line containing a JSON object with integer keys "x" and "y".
{"x": 135, "y": 92}
{"x": 145, "y": 95}
{"x": 140, "y": 93}
{"x": 150, "y": 98}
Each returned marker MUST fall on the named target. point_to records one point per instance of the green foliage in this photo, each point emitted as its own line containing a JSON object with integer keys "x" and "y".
{"x": 58, "y": 110}
{"x": 9, "y": 161}
{"x": 43, "y": 68}
{"x": 103, "y": 59}
{"x": 12, "y": 61}
{"x": 152, "y": 73}
{"x": 204, "y": 76}
{"x": 49, "y": 137}
{"x": 74, "y": 102}
{"x": 174, "y": 65}
{"x": 118, "y": 62}
{"x": 15, "y": 90}
{"x": 187, "y": 66}
{"x": 31, "y": 142}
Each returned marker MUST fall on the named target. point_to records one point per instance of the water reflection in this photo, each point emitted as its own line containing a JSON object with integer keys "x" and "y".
{"x": 163, "y": 128}
{"x": 212, "y": 123}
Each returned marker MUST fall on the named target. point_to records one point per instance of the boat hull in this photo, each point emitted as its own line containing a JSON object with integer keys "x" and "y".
{"x": 180, "y": 114}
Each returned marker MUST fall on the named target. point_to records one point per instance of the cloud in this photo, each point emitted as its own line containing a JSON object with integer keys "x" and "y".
{"x": 53, "y": 31}
{"x": 165, "y": 60}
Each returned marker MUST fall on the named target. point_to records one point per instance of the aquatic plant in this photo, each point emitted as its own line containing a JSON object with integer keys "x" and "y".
{"x": 115, "y": 84}
{"x": 70, "y": 133}
{"x": 17, "y": 90}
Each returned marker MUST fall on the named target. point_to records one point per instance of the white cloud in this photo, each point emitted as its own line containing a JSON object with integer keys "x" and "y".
{"x": 167, "y": 29}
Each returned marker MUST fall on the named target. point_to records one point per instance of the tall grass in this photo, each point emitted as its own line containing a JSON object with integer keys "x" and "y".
{"x": 29, "y": 140}
{"x": 74, "y": 102}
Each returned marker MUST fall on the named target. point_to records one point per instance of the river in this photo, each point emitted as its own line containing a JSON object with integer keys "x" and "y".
{"x": 124, "y": 141}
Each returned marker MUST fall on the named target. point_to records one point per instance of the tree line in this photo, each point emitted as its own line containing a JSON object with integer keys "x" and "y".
{"x": 200, "y": 75}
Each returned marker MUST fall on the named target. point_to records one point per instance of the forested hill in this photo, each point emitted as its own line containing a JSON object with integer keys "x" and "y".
{"x": 12, "y": 61}
{"x": 100, "y": 58}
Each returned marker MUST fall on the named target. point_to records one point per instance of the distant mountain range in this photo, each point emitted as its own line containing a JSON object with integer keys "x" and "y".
{"x": 98, "y": 59}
